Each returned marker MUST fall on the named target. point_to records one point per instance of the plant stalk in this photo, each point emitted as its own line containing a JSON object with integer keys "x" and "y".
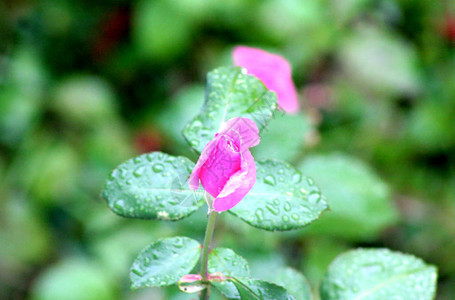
{"x": 205, "y": 294}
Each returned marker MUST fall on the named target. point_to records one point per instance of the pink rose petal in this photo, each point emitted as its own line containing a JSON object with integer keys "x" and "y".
{"x": 273, "y": 70}
{"x": 238, "y": 185}
{"x": 226, "y": 167}
{"x": 221, "y": 164}
{"x": 194, "y": 177}
{"x": 243, "y": 130}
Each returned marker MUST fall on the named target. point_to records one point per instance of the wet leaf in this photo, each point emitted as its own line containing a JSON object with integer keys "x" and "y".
{"x": 257, "y": 289}
{"x": 294, "y": 282}
{"x": 228, "y": 263}
{"x": 377, "y": 274}
{"x": 229, "y": 93}
{"x": 281, "y": 199}
{"x": 152, "y": 186}
{"x": 164, "y": 262}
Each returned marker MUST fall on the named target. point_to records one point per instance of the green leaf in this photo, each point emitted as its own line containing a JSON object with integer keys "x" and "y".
{"x": 281, "y": 199}
{"x": 228, "y": 263}
{"x": 359, "y": 200}
{"x": 377, "y": 274}
{"x": 160, "y": 31}
{"x": 229, "y": 93}
{"x": 73, "y": 279}
{"x": 257, "y": 289}
{"x": 285, "y": 137}
{"x": 395, "y": 73}
{"x": 152, "y": 186}
{"x": 164, "y": 262}
{"x": 181, "y": 109}
{"x": 294, "y": 282}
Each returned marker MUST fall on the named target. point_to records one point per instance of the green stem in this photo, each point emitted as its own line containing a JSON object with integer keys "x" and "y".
{"x": 205, "y": 294}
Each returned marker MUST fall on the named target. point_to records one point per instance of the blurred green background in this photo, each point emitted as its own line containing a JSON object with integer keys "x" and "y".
{"x": 85, "y": 85}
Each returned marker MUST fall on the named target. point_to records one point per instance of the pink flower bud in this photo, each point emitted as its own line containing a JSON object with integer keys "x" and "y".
{"x": 226, "y": 167}
{"x": 273, "y": 70}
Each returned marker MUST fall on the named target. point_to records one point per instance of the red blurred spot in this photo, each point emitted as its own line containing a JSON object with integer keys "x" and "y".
{"x": 449, "y": 28}
{"x": 318, "y": 95}
{"x": 148, "y": 140}
{"x": 113, "y": 30}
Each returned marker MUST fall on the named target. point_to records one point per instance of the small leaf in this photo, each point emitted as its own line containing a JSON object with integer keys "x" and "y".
{"x": 360, "y": 202}
{"x": 164, "y": 262}
{"x": 228, "y": 263}
{"x": 229, "y": 93}
{"x": 294, "y": 282}
{"x": 281, "y": 199}
{"x": 257, "y": 289}
{"x": 152, "y": 186}
{"x": 377, "y": 274}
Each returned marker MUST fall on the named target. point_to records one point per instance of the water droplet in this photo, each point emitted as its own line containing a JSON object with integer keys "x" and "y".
{"x": 276, "y": 202}
{"x": 287, "y": 206}
{"x": 285, "y": 218}
{"x": 119, "y": 204}
{"x": 372, "y": 268}
{"x": 139, "y": 171}
{"x": 194, "y": 143}
{"x": 272, "y": 209}
{"x": 157, "y": 168}
{"x": 196, "y": 123}
{"x": 296, "y": 178}
{"x": 259, "y": 215}
{"x": 122, "y": 173}
{"x": 269, "y": 179}
{"x": 310, "y": 181}
{"x": 280, "y": 171}
{"x": 295, "y": 217}
{"x": 314, "y": 197}
{"x": 137, "y": 272}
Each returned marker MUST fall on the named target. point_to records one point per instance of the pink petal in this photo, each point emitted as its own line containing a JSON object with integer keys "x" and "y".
{"x": 238, "y": 184}
{"x": 190, "y": 278}
{"x": 223, "y": 161}
{"x": 273, "y": 70}
{"x": 243, "y": 130}
{"x": 194, "y": 177}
